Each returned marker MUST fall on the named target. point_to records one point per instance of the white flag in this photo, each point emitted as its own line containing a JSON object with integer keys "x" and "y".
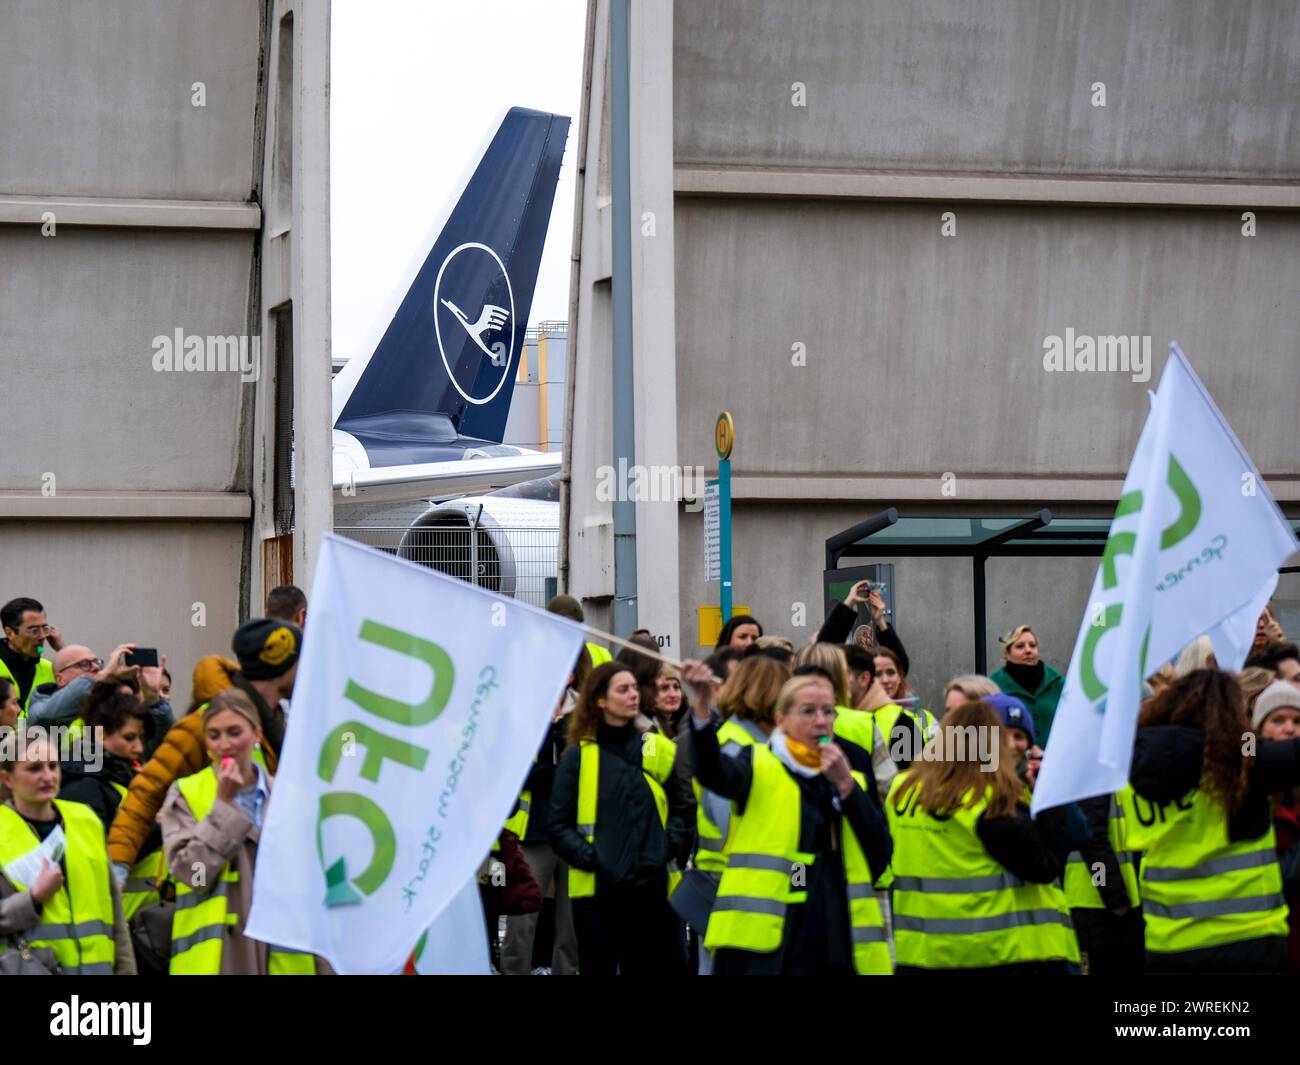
{"x": 419, "y": 705}
{"x": 1194, "y": 548}
{"x": 456, "y": 943}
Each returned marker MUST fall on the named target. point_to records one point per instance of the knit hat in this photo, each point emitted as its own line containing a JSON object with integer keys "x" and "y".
{"x": 567, "y": 607}
{"x": 266, "y": 648}
{"x": 1277, "y": 695}
{"x": 1012, "y": 713}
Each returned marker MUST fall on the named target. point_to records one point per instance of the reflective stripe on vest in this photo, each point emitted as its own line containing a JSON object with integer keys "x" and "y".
{"x": 77, "y": 920}
{"x": 710, "y": 856}
{"x": 1080, "y": 891}
{"x": 143, "y": 878}
{"x": 44, "y": 675}
{"x": 518, "y": 821}
{"x": 1198, "y": 888}
{"x": 657, "y": 756}
{"x": 860, "y": 726}
{"x": 202, "y": 916}
{"x": 766, "y": 874}
{"x": 955, "y": 907}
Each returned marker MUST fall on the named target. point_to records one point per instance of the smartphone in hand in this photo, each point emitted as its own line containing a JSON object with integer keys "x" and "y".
{"x": 142, "y": 656}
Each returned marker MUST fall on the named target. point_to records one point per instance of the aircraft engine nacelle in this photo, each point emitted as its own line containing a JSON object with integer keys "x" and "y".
{"x": 507, "y": 545}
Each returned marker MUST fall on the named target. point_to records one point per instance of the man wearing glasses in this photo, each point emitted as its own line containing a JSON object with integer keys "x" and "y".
{"x": 26, "y": 631}
{"x": 76, "y": 671}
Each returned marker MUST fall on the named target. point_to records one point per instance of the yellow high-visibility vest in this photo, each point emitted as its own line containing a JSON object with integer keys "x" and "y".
{"x": 44, "y": 675}
{"x": 767, "y": 874}
{"x": 199, "y": 926}
{"x": 709, "y": 854}
{"x": 1198, "y": 888}
{"x": 76, "y": 922}
{"x": 1080, "y": 891}
{"x": 955, "y": 906}
{"x": 657, "y": 756}
{"x": 144, "y": 879}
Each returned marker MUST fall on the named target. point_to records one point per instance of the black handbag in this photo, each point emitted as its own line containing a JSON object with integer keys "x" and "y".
{"x": 151, "y": 933}
{"x": 20, "y": 958}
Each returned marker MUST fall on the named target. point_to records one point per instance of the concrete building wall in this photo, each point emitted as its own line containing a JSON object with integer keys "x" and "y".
{"x": 96, "y": 98}
{"x": 924, "y": 353}
{"x": 880, "y": 213}
{"x": 78, "y": 318}
{"x": 1193, "y": 87}
{"x": 139, "y": 140}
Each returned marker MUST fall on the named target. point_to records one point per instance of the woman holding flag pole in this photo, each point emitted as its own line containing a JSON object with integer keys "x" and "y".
{"x": 806, "y": 841}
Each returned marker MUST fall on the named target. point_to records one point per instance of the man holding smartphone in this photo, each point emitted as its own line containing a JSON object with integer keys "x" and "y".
{"x": 78, "y": 669}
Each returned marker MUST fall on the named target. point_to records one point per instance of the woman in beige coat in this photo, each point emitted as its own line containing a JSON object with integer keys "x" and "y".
{"x": 211, "y": 822}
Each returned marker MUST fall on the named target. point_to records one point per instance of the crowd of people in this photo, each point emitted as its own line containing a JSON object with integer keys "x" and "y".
{"x": 779, "y": 809}
{"x": 773, "y": 809}
{"x": 128, "y": 834}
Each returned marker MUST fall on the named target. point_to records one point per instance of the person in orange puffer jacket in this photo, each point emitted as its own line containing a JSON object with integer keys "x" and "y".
{"x": 267, "y": 651}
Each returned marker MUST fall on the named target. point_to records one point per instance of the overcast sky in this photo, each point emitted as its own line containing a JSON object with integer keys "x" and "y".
{"x": 417, "y": 88}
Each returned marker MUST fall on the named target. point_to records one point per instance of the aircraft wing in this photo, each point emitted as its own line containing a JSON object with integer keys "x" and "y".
{"x": 456, "y": 477}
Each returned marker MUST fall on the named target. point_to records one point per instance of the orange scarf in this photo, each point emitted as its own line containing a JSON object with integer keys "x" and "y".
{"x": 809, "y": 757}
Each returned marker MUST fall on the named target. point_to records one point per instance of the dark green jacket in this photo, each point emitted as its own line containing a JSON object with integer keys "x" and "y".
{"x": 1041, "y": 704}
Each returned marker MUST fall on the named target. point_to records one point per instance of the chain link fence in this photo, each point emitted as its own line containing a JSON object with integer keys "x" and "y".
{"x": 521, "y": 563}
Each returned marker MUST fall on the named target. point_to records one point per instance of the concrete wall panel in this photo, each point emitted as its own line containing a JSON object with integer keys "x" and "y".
{"x": 1193, "y": 87}
{"x": 78, "y": 316}
{"x": 925, "y": 353}
{"x": 96, "y": 98}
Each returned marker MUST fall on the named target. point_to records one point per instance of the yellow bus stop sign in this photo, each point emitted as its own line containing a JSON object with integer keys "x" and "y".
{"x": 724, "y": 434}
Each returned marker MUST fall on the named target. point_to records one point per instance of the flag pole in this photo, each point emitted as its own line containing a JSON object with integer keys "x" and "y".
{"x": 601, "y": 634}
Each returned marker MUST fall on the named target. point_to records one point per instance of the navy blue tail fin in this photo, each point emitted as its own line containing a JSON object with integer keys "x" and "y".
{"x": 452, "y": 349}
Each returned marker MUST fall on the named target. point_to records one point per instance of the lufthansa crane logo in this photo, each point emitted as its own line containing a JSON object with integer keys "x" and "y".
{"x": 474, "y": 320}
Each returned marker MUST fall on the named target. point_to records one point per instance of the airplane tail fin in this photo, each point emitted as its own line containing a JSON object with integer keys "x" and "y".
{"x": 451, "y": 350}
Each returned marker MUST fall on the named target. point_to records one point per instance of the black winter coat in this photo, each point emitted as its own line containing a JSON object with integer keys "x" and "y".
{"x": 631, "y": 848}
{"x": 540, "y": 779}
{"x": 94, "y": 787}
{"x": 841, "y": 622}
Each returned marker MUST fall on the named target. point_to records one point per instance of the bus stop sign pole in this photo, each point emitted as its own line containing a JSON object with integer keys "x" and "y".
{"x": 724, "y": 438}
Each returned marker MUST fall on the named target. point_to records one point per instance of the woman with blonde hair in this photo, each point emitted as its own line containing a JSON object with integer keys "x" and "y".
{"x": 1031, "y": 680}
{"x": 1199, "y": 654}
{"x": 856, "y": 726}
{"x": 749, "y": 694}
{"x": 807, "y": 840}
{"x": 747, "y": 703}
{"x": 1253, "y": 681}
{"x": 211, "y": 822}
{"x": 972, "y": 873}
{"x": 966, "y": 688}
